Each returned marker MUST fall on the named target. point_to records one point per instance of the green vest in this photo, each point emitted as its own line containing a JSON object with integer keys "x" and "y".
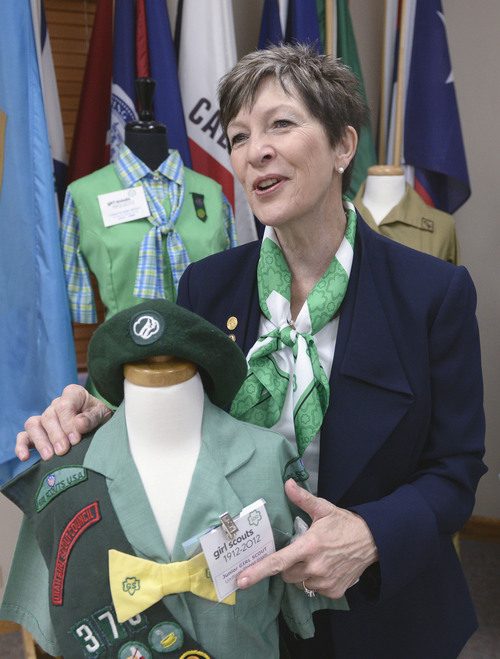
{"x": 112, "y": 253}
{"x": 75, "y": 524}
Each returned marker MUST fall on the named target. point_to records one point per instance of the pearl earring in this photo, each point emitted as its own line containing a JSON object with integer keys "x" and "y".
{"x": 341, "y": 170}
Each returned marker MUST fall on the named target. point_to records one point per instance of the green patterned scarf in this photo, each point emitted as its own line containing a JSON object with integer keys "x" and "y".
{"x": 261, "y": 398}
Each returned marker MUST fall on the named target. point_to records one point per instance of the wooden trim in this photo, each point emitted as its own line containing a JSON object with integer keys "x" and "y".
{"x": 482, "y": 528}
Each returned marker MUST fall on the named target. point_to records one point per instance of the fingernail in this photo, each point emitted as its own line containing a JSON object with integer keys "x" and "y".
{"x": 243, "y": 582}
{"x": 58, "y": 447}
{"x": 72, "y": 439}
{"x": 46, "y": 453}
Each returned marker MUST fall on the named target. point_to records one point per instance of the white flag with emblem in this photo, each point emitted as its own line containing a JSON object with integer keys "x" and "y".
{"x": 207, "y": 51}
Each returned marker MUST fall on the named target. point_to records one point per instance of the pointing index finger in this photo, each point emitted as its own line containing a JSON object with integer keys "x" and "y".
{"x": 270, "y": 566}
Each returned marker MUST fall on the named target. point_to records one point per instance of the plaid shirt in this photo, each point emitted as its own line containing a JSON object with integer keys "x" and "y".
{"x": 166, "y": 181}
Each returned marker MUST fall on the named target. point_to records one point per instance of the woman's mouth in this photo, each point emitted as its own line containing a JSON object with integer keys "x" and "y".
{"x": 265, "y": 184}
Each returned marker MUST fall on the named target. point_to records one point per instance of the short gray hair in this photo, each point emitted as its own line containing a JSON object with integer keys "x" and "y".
{"x": 328, "y": 88}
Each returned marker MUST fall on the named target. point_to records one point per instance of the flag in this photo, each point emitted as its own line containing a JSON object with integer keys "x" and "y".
{"x": 50, "y": 101}
{"x": 89, "y": 150}
{"x": 123, "y": 107}
{"x": 130, "y": 39}
{"x": 347, "y": 51}
{"x": 433, "y": 153}
{"x": 207, "y": 50}
{"x": 163, "y": 68}
{"x": 433, "y": 142}
{"x": 270, "y": 27}
{"x": 302, "y": 23}
{"x": 37, "y": 356}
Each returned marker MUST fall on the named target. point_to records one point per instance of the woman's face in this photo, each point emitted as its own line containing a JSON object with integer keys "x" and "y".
{"x": 283, "y": 158}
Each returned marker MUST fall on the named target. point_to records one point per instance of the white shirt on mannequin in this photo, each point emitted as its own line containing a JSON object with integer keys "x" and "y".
{"x": 384, "y": 188}
{"x": 164, "y": 427}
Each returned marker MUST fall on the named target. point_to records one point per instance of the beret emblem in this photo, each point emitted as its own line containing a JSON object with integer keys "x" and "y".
{"x": 146, "y": 328}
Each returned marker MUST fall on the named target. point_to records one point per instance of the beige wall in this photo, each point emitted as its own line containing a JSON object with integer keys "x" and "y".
{"x": 473, "y": 41}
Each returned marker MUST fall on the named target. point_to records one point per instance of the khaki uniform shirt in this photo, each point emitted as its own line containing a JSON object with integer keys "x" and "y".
{"x": 415, "y": 224}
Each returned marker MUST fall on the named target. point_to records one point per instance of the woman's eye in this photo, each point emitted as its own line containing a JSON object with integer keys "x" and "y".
{"x": 236, "y": 139}
{"x": 282, "y": 123}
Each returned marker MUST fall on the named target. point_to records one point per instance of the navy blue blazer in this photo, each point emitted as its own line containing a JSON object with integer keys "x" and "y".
{"x": 401, "y": 443}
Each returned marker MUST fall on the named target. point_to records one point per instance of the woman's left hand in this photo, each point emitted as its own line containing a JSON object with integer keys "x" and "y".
{"x": 331, "y": 555}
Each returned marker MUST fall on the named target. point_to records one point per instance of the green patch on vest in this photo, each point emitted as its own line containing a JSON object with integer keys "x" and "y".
{"x": 56, "y": 482}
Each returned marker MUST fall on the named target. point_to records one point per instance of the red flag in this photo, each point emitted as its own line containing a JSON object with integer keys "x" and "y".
{"x": 89, "y": 150}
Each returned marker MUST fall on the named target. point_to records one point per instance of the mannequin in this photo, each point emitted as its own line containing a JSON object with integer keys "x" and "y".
{"x": 384, "y": 188}
{"x": 392, "y": 207}
{"x": 147, "y": 138}
{"x": 164, "y": 410}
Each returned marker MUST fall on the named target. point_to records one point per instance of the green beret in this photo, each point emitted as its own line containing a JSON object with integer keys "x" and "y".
{"x": 158, "y": 328}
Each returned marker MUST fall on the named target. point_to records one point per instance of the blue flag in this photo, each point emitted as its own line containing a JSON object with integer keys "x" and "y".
{"x": 163, "y": 63}
{"x": 37, "y": 356}
{"x": 433, "y": 142}
{"x": 270, "y": 27}
{"x": 123, "y": 106}
{"x": 302, "y": 23}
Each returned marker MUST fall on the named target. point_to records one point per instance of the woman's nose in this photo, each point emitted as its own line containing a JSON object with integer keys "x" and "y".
{"x": 259, "y": 149}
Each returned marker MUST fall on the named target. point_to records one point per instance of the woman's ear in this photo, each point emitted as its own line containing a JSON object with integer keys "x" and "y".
{"x": 347, "y": 147}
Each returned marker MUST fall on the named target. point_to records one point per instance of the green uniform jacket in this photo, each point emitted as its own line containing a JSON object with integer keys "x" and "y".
{"x": 238, "y": 464}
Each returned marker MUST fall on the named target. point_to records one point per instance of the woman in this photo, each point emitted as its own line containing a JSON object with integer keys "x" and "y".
{"x": 363, "y": 352}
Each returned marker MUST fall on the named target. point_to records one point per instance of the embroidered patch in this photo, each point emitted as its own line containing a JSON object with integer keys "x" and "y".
{"x": 295, "y": 469}
{"x": 134, "y": 651}
{"x": 101, "y": 630}
{"x": 199, "y": 206}
{"x": 428, "y": 225}
{"x": 83, "y": 520}
{"x": 166, "y": 637}
{"x": 147, "y": 327}
{"x": 56, "y": 482}
{"x": 194, "y": 654}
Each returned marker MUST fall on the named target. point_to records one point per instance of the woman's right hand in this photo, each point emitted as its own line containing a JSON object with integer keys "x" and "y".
{"x": 62, "y": 424}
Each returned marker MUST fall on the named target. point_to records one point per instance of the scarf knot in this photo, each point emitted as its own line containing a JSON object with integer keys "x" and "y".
{"x": 262, "y": 396}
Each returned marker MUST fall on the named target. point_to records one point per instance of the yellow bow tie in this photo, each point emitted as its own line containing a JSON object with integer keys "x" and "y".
{"x": 136, "y": 583}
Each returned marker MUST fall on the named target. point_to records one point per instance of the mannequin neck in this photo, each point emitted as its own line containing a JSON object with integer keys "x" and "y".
{"x": 164, "y": 417}
{"x": 163, "y": 403}
{"x": 383, "y": 191}
{"x": 151, "y": 148}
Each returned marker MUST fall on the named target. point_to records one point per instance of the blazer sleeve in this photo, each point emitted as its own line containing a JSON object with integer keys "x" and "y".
{"x": 410, "y": 524}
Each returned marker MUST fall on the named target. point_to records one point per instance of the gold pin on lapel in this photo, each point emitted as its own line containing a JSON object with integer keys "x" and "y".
{"x": 232, "y": 323}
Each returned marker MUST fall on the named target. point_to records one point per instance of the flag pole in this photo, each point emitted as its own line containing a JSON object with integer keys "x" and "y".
{"x": 398, "y": 128}
{"x": 329, "y": 27}
{"x": 382, "y": 120}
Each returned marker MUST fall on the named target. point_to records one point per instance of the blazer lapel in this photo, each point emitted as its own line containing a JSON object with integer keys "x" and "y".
{"x": 369, "y": 390}
{"x": 244, "y": 303}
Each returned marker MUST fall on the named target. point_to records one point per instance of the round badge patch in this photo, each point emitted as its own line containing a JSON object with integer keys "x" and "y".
{"x": 146, "y": 327}
{"x": 166, "y": 637}
{"x": 134, "y": 651}
{"x": 195, "y": 654}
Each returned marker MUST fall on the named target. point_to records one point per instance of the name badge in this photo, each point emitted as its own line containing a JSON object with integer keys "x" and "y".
{"x": 252, "y": 542}
{"x": 123, "y": 206}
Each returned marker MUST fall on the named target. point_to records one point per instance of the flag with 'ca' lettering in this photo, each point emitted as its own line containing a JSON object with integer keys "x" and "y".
{"x": 433, "y": 142}
{"x": 37, "y": 355}
{"x": 271, "y": 31}
{"x": 50, "y": 101}
{"x": 207, "y": 50}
